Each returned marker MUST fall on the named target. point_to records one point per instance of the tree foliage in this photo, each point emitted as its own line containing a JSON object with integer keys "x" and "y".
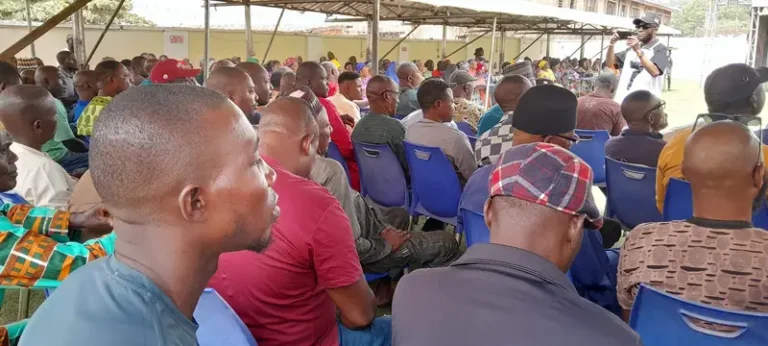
{"x": 96, "y": 12}
{"x": 732, "y": 19}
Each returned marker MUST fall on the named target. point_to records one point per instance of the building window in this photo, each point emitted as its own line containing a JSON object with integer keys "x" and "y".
{"x": 592, "y": 5}
{"x": 560, "y": 3}
{"x": 623, "y": 12}
{"x": 610, "y": 8}
{"x": 635, "y": 12}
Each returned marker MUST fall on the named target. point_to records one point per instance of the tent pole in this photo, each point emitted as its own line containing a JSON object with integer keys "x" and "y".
{"x": 104, "y": 32}
{"x": 602, "y": 47}
{"x": 78, "y": 31}
{"x": 581, "y": 48}
{"x": 445, "y": 38}
{"x": 375, "y": 37}
{"x": 29, "y": 28}
{"x": 548, "y": 46}
{"x": 248, "y": 33}
{"x": 206, "y": 39}
{"x": 401, "y": 41}
{"x": 502, "y": 48}
{"x": 490, "y": 68}
{"x": 274, "y": 32}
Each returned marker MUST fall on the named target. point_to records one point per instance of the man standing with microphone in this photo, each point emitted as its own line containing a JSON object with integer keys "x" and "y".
{"x": 643, "y": 62}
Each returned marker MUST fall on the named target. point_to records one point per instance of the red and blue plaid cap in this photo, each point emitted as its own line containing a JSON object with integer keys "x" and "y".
{"x": 547, "y": 175}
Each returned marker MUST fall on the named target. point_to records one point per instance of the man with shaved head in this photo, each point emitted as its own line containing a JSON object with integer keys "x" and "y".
{"x": 222, "y": 63}
{"x": 313, "y": 76}
{"x": 333, "y": 77}
{"x": 491, "y": 144}
{"x": 86, "y": 85}
{"x": 112, "y": 79}
{"x": 290, "y": 294}
{"x": 287, "y": 83}
{"x": 380, "y": 126}
{"x": 261, "y": 82}
{"x": 51, "y": 78}
{"x": 410, "y": 79}
{"x": 178, "y": 169}
{"x": 28, "y": 77}
{"x": 238, "y": 87}
{"x": 67, "y": 68}
{"x": 717, "y": 257}
{"x": 641, "y": 143}
{"x": 29, "y": 115}
{"x": 598, "y": 110}
{"x": 9, "y": 76}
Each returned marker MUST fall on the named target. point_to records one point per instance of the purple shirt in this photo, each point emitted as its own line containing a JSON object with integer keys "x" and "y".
{"x": 642, "y": 148}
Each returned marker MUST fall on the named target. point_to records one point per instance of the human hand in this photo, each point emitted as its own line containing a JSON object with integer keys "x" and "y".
{"x": 348, "y": 120}
{"x": 614, "y": 37}
{"x": 633, "y": 43}
{"x": 94, "y": 220}
{"x": 395, "y": 238}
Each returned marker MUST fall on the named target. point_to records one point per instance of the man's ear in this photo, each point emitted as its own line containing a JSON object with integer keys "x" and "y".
{"x": 487, "y": 213}
{"x": 758, "y": 175}
{"x": 306, "y": 144}
{"x": 192, "y": 204}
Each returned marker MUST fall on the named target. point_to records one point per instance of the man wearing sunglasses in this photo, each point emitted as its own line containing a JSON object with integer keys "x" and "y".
{"x": 643, "y": 62}
{"x": 732, "y": 92}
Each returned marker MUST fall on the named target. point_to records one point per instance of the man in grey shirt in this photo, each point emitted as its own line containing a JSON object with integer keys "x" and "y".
{"x": 436, "y": 99}
{"x": 410, "y": 79}
{"x": 514, "y": 290}
{"x": 176, "y": 209}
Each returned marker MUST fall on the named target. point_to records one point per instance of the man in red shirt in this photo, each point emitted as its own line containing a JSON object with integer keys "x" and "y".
{"x": 289, "y": 294}
{"x": 598, "y": 110}
{"x": 313, "y": 76}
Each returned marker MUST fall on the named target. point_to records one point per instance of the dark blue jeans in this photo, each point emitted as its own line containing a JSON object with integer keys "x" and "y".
{"x": 379, "y": 333}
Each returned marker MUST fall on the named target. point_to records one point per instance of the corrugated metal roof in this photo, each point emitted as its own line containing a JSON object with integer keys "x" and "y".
{"x": 513, "y": 15}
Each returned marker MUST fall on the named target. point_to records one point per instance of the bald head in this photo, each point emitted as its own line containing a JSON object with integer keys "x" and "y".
{"x": 237, "y": 86}
{"x": 312, "y": 75}
{"x": 48, "y": 77}
{"x": 637, "y": 104}
{"x": 382, "y": 95}
{"x": 158, "y": 130}
{"x": 86, "y": 84}
{"x": 509, "y": 90}
{"x": 723, "y": 161}
{"x": 260, "y": 78}
{"x": 405, "y": 69}
{"x": 222, "y": 63}
{"x": 286, "y": 122}
{"x": 28, "y": 113}
{"x": 331, "y": 71}
{"x": 409, "y": 75}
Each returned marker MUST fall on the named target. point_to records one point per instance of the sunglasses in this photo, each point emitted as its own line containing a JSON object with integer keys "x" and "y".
{"x": 755, "y": 124}
{"x": 659, "y": 106}
{"x": 575, "y": 139}
{"x": 397, "y": 93}
{"x": 643, "y": 27}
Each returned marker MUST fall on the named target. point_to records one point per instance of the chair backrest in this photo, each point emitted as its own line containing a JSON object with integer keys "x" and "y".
{"x": 472, "y": 141}
{"x": 591, "y": 149}
{"x": 466, "y": 128}
{"x": 335, "y": 154}
{"x": 400, "y": 116}
{"x": 662, "y": 319}
{"x": 631, "y": 192}
{"x": 219, "y": 324}
{"x": 678, "y": 204}
{"x": 381, "y": 177}
{"x": 434, "y": 183}
{"x": 474, "y": 227}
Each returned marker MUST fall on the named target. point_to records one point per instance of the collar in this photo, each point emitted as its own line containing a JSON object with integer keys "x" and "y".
{"x": 596, "y": 95}
{"x": 28, "y": 149}
{"x": 270, "y": 161}
{"x": 512, "y": 259}
{"x": 404, "y": 89}
{"x": 504, "y": 117}
{"x": 719, "y": 224}
{"x": 629, "y": 132}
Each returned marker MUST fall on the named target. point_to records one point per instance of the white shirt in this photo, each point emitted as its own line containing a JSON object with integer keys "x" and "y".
{"x": 41, "y": 181}
{"x": 345, "y": 106}
{"x": 656, "y": 52}
{"x": 417, "y": 115}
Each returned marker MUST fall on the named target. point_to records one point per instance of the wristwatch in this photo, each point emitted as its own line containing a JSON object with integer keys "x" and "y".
{"x": 639, "y": 53}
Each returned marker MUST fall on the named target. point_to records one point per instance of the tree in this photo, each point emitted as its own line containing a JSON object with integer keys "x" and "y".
{"x": 732, "y": 19}
{"x": 96, "y": 12}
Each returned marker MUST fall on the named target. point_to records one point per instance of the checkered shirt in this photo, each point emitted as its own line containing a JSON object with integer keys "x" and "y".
{"x": 547, "y": 175}
{"x": 494, "y": 142}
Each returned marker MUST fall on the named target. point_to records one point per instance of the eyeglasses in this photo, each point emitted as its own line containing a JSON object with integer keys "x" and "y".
{"x": 397, "y": 93}
{"x": 754, "y": 123}
{"x": 643, "y": 27}
{"x": 659, "y": 106}
{"x": 575, "y": 139}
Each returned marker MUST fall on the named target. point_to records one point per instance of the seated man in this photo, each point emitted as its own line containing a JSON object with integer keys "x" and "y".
{"x": 350, "y": 89}
{"x": 436, "y": 100}
{"x": 379, "y": 241}
{"x": 173, "y": 71}
{"x": 493, "y": 116}
{"x": 598, "y": 110}
{"x": 410, "y": 78}
{"x": 112, "y": 79}
{"x": 290, "y": 294}
{"x": 171, "y": 229}
{"x": 641, "y": 143}
{"x": 86, "y": 85}
{"x": 463, "y": 86}
{"x": 735, "y": 91}
{"x": 494, "y": 142}
{"x": 260, "y": 78}
{"x": 64, "y": 148}
{"x": 515, "y": 288}
{"x": 380, "y": 126}
{"x": 238, "y": 87}
{"x": 717, "y": 257}
{"x": 28, "y": 112}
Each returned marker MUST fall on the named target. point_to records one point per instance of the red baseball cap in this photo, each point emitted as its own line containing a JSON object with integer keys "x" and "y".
{"x": 169, "y": 70}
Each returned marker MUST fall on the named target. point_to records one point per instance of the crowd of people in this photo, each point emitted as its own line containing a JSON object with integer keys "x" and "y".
{"x": 137, "y": 186}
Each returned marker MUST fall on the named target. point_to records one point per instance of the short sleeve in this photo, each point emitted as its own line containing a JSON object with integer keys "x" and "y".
{"x": 333, "y": 250}
{"x": 660, "y": 57}
{"x": 620, "y": 58}
{"x": 629, "y": 271}
{"x": 63, "y": 132}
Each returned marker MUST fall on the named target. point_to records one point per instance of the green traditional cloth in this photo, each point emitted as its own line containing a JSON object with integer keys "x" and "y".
{"x": 90, "y": 114}
{"x": 54, "y": 148}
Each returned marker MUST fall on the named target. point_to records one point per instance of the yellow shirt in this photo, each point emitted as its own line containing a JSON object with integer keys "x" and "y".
{"x": 671, "y": 164}
{"x": 90, "y": 114}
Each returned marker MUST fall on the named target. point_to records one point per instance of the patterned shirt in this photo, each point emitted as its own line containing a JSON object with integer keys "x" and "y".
{"x": 90, "y": 114}
{"x": 494, "y": 142}
{"x": 34, "y": 254}
{"x": 377, "y": 128}
{"x": 466, "y": 111}
{"x": 713, "y": 262}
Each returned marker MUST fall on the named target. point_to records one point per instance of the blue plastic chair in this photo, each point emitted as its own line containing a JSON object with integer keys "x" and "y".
{"x": 400, "y": 116}
{"x": 435, "y": 187}
{"x": 678, "y": 204}
{"x": 335, "y": 154}
{"x": 591, "y": 149}
{"x": 662, "y": 319}
{"x": 381, "y": 177}
{"x": 219, "y": 324}
{"x": 373, "y": 277}
{"x": 631, "y": 192}
{"x": 473, "y": 225}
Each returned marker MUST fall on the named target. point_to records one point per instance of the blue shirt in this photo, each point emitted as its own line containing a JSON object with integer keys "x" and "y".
{"x": 78, "y": 110}
{"x": 476, "y": 190}
{"x": 489, "y": 119}
{"x": 107, "y": 302}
